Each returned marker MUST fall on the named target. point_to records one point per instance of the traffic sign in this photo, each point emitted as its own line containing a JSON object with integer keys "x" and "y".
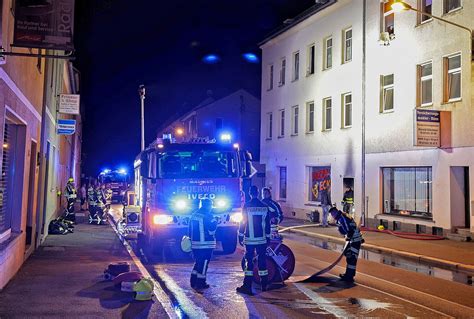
{"x": 66, "y": 127}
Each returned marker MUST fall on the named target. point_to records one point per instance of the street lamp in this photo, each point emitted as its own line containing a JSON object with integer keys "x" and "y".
{"x": 141, "y": 93}
{"x": 399, "y": 6}
{"x": 179, "y": 131}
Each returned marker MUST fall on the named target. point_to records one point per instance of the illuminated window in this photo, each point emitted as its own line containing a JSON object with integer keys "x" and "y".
{"x": 386, "y": 93}
{"x": 294, "y": 120}
{"x": 281, "y": 132}
{"x": 310, "y": 117}
{"x": 296, "y": 66}
{"x": 327, "y": 114}
{"x": 328, "y": 53}
{"x": 311, "y": 59}
{"x": 452, "y": 78}
{"x": 387, "y": 19}
{"x": 346, "y": 110}
{"x": 407, "y": 191}
{"x": 451, "y": 5}
{"x": 425, "y": 84}
{"x": 347, "y": 45}
{"x": 424, "y": 6}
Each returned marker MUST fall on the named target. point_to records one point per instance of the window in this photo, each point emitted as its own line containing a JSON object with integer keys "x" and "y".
{"x": 7, "y": 178}
{"x": 451, "y": 5}
{"x": 282, "y": 124}
{"x": 452, "y": 78}
{"x": 424, "y": 6}
{"x": 346, "y": 110}
{"x": 319, "y": 182}
{"x": 269, "y": 126}
{"x": 310, "y": 117}
{"x": 347, "y": 45}
{"x": 311, "y": 59}
{"x": 387, "y": 19}
{"x": 270, "y": 77}
{"x": 219, "y": 123}
{"x": 283, "y": 72}
{"x": 282, "y": 183}
{"x": 386, "y": 93}
{"x": 425, "y": 84}
{"x": 407, "y": 191}
{"x": 327, "y": 114}
{"x": 328, "y": 53}
{"x": 294, "y": 120}
{"x": 296, "y": 66}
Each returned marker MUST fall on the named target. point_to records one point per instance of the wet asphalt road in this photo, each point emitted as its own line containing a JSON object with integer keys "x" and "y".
{"x": 380, "y": 290}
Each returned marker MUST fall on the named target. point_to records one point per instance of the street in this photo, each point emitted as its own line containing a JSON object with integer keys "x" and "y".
{"x": 380, "y": 290}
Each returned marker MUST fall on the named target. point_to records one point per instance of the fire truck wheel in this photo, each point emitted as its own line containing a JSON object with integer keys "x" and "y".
{"x": 229, "y": 243}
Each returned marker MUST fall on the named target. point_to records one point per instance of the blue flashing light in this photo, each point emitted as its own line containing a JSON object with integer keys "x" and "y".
{"x": 251, "y": 57}
{"x": 211, "y": 58}
{"x": 122, "y": 171}
{"x": 105, "y": 171}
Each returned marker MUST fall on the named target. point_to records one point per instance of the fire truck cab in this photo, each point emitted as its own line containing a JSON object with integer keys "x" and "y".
{"x": 172, "y": 178}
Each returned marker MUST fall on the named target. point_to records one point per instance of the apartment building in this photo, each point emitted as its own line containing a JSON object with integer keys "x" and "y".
{"x": 344, "y": 89}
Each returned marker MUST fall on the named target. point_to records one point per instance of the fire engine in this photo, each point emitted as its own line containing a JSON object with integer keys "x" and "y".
{"x": 117, "y": 180}
{"x": 170, "y": 180}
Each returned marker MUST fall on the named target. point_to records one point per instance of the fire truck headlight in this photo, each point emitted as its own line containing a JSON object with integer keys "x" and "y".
{"x": 180, "y": 204}
{"x": 236, "y": 217}
{"x": 221, "y": 203}
{"x": 162, "y": 219}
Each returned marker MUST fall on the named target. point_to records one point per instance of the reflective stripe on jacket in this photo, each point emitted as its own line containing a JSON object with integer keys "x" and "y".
{"x": 255, "y": 224}
{"x": 348, "y": 227}
{"x": 202, "y": 230}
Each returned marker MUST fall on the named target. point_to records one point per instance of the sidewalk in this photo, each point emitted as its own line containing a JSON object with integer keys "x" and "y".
{"x": 446, "y": 253}
{"x": 64, "y": 279}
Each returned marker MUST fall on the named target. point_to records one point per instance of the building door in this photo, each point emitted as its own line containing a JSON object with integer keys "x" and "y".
{"x": 46, "y": 187}
{"x": 459, "y": 197}
{"x": 31, "y": 196}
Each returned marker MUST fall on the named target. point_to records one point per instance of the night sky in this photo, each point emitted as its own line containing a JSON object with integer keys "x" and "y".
{"x": 122, "y": 44}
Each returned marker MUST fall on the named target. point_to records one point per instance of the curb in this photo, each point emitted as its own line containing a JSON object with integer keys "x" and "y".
{"x": 447, "y": 264}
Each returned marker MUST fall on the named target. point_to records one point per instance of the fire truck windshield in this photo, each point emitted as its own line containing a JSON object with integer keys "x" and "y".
{"x": 113, "y": 178}
{"x": 201, "y": 164}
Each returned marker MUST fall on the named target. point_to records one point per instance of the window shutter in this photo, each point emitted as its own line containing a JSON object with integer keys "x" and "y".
{"x": 445, "y": 80}
{"x": 418, "y": 85}
{"x": 381, "y": 95}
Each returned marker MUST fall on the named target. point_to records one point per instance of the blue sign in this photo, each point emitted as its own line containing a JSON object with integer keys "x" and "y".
{"x": 66, "y": 127}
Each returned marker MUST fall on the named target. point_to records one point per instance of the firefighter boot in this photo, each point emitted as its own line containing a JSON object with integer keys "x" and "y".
{"x": 264, "y": 282}
{"x": 201, "y": 283}
{"x": 193, "y": 280}
{"x": 246, "y": 288}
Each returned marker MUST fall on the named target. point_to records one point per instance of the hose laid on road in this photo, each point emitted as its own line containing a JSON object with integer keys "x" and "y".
{"x": 414, "y": 236}
{"x": 405, "y": 235}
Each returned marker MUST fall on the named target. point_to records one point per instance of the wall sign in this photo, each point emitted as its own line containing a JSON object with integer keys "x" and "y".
{"x": 69, "y": 103}
{"x": 427, "y": 128}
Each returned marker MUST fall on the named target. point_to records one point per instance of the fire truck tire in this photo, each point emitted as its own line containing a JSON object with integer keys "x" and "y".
{"x": 229, "y": 243}
{"x": 149, "y": 247}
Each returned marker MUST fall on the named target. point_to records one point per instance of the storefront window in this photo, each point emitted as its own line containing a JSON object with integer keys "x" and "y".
{"x": 407, "y": 191}
{"x": 319, "y": 182}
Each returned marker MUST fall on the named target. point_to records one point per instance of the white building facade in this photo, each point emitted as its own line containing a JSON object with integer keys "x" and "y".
{"x": 338, "y": 107}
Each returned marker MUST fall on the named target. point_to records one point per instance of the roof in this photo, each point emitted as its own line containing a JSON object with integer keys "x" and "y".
{"x": 318, "y": 6}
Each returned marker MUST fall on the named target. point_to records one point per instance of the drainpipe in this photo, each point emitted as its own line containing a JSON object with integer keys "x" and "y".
{"x": 363, "y": 201}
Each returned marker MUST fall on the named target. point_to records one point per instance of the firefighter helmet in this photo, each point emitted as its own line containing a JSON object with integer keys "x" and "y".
{"x": 186, "y": 244}
{"x": 70, "y": 180}
{"x": 143, "y": 289}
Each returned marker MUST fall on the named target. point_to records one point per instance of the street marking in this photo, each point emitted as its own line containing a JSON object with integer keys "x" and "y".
{"x": 322, "y": 302}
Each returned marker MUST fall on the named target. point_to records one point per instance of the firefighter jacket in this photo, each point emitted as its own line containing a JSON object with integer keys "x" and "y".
{"x": 99, "y": 195}
{"x": 348, "y": 197}
{"x": 255, "y": 224}
{"x": 108, "y": 195}
{"x": 275, "y": 209}
{"x": 202, "y": 230}
{"x": 70, "y": 192}
{"x": 348, "y": 227}
{"x": 91, "y": 198}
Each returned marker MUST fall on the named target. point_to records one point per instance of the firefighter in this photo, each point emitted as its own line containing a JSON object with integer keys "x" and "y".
{"x": 100, "y": 197}
{"x": 254, "y": 233}
{"x": 202, "y": 230}
{"x": 108, "y": 196}
{"x": 70, "y": 193}
{"x": 348, "y": 200}
{"x": 276, "y": 213}
{"x": 348, "y": 227}
{"x": 92, "y": 201}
